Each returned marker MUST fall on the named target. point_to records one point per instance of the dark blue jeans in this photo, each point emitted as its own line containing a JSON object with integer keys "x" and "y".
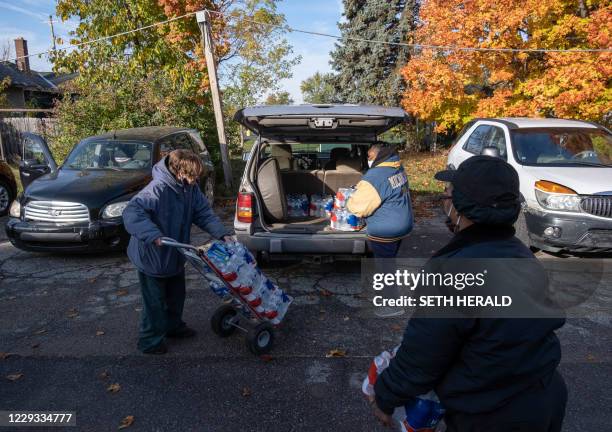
{"x": 384, "y": 249}
{"x": 162, "y": 312}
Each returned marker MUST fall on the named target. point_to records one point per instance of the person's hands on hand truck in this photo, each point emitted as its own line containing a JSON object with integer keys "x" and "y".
{"x": 158, "y": 241}
{"x": 385, "y": 419}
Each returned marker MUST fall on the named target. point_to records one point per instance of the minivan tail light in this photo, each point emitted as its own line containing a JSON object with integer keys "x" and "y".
{"x": 244, "y": 207}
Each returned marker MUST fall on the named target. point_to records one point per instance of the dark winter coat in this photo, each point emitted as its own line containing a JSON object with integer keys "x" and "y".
{"x": 475, "y": 365}
{"x": 166, "y": 208}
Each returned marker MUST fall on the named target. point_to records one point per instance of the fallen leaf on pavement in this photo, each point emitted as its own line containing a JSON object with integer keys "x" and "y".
{"x": 104, "y": 375}
{"x": 266, "y": 357}
{"x": 591, "y": 358}
{"x": 113, "y": 388}
{"x": 325, "y": 293}
{"x": 4, "y": 355}
{"x": 72, "y": 313}
{"x": 126, "y": 422}
{"x": 41, "y": 331}
{"x": 336, "y": 353}
{"x": 92, "y": 280}
{"x": 246, "y": 391}
{"x": 396, "y": 327}
{"x": 122, "y": 292}
{"x": 100, "y": 333}
{"x": 15, "y": 376}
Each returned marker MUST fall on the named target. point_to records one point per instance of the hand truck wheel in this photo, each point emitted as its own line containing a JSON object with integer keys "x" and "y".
{"x": 260, "y": 338}
{"x": 223, "y": 319}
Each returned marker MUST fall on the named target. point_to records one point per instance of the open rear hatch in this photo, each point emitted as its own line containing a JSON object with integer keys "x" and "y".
{"x": 310, "y": 123}
{"x": 304, "y": 123}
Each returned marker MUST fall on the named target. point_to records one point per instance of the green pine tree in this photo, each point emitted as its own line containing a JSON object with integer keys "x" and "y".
{"x": 370, "y": 72}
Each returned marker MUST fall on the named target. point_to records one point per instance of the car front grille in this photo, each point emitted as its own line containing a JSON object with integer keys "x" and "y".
{"x": 597, "y": 205}
{"x": 56, "y": 212}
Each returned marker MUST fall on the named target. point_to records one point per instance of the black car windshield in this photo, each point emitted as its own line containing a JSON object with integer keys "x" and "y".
{"x": 110, "y": 154}
{"x": 563, "y": 147}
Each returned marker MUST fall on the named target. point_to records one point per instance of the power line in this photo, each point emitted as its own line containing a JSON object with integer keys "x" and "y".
{"x": 329, "y": 35}
{"x": 90, "y": 42}
{"x": 422, "y": 46}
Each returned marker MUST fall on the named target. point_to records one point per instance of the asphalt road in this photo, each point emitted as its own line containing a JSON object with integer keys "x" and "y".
{"x": 70, "y": 326}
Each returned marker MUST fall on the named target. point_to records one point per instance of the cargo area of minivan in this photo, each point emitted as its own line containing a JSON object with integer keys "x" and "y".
{"x": 304, "y": 169}
{"x": 302, "y": 155}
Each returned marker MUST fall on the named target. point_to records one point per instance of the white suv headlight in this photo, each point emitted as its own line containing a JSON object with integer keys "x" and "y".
{"x": 114, "y": 210}
{"x": 15, "y": 210}
{"x": 553, "y": 196}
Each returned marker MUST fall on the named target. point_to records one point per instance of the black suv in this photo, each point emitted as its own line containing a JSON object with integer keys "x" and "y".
{"x": 78, "y": 206}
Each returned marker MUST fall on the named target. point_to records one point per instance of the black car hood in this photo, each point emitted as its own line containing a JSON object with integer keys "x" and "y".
{"x": 94, "y": 188}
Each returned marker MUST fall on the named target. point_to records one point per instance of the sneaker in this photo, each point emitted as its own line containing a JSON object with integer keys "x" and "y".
{"x": 182, "y": 333}
{"x": 159, "y": 349}
{"x": 389, "y": 312}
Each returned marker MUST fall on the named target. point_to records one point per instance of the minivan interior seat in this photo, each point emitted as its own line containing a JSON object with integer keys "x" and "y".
{"x": 270, "y": 186}
{"x": 346, "y": 174}
{"x": 335, "y": 154}
{"x": 283, "y": 154}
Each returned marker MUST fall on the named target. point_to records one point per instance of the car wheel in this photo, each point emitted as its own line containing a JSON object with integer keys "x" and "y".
{"x": 209, "y": 189}
{"x": 6, "y": 198}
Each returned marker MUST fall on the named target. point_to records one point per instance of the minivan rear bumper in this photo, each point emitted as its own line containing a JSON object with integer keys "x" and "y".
{"x": 307, "y": 244}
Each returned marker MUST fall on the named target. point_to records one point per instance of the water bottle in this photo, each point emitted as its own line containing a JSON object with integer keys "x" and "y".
{"x": 423, "y": 413}
{"x": 329, "y": 207}
{"x": 282, "y": 307}
{"x": 218, "y": 289}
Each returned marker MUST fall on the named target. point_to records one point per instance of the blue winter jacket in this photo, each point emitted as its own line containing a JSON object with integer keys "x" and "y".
{"x": 166, "y": 208}
{"x": 383, "y": 198}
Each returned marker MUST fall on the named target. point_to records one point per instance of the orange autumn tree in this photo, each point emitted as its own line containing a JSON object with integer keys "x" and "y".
{"x": 452, "y": 86}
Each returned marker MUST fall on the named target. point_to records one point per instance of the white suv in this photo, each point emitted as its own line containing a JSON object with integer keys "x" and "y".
{"x": 565, "y": 170}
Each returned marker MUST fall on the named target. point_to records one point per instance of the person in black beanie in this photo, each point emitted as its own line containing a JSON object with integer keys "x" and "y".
{"x": 493, "y": 374}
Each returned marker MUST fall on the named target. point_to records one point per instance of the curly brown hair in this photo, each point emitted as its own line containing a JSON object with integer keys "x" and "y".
{"x": 185, "y": 163}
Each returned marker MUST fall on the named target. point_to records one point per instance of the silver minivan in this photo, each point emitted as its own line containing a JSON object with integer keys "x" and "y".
{"x": 304, "y": 150}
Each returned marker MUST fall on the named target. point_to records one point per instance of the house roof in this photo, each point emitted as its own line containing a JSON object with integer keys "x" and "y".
{"x": 30, "y": 80}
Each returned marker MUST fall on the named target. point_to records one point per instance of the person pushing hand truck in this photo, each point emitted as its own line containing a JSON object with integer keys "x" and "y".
{"x": 167, "y": 207}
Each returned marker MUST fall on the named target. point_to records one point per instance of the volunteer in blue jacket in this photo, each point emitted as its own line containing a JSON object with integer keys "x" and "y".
{"x": 167, "y": 207}
{"x": 383, "y": 199}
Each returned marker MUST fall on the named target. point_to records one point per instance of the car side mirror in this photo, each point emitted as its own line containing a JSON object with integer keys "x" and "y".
{"x": 246, "y": 155}
{"x": 31, "y": 163}
{"x": 490, "y": 151}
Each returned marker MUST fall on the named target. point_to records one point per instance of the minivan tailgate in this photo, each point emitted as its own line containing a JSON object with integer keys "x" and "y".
{"x": 320, "y": 121}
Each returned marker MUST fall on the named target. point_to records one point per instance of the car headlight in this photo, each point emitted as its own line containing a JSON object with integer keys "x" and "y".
{"x": 114, "y": 210}
{"x": 15, "y": 210}
{"x": 553, "y": 196}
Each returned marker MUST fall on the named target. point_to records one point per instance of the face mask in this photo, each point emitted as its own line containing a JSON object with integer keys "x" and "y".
{"x": 449, "y": 223}
{"x": 370, "y": 162}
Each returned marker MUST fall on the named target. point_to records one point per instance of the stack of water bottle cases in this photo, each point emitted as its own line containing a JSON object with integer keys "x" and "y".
{"x": 239, "y": 268}
{"x": 420, "y": 414}
{"x": 321, "y": 205}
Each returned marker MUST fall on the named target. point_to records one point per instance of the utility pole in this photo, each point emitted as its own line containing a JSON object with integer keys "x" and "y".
{"x": 203, "y": 18}
{"x": 52, "y": 31}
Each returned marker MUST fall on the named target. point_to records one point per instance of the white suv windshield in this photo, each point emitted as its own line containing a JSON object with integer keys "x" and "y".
{"x": 115, "y": 155}
{"x": 562, "y": 147}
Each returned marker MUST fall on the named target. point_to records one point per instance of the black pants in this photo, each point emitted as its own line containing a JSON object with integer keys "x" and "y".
{"x": 538, "y": 409}
{"x": 162, "y": 312}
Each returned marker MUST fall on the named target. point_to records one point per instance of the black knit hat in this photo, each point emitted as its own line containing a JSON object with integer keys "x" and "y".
{"x": 485, "y": 189}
